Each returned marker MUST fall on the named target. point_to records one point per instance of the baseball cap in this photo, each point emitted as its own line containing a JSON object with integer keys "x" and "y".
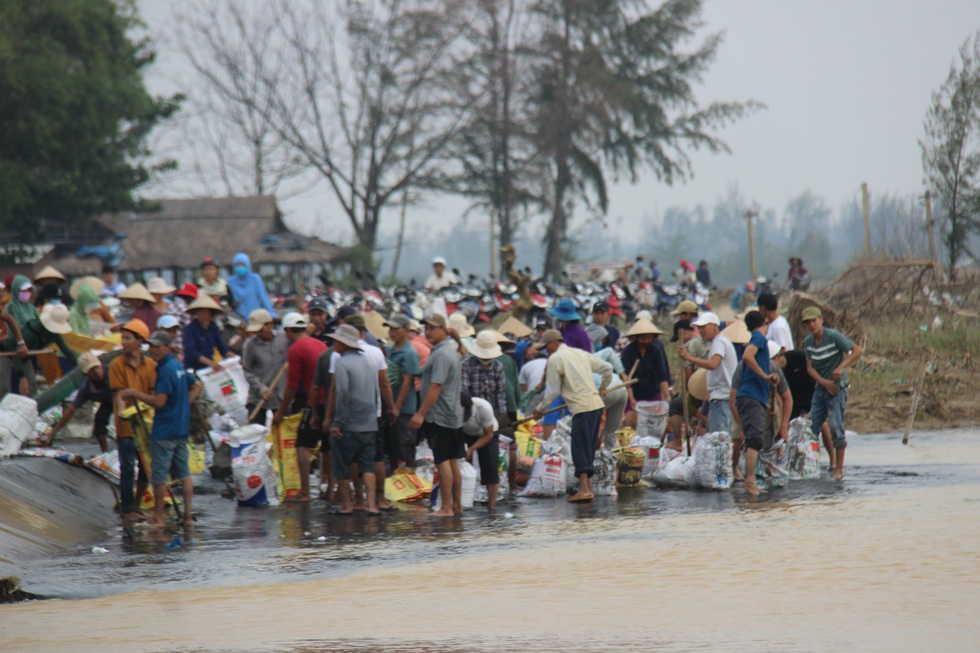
{"x": 345, "y": 312}
{"x": 706, "y": 318}
{"x": 356, "y": 320}
{"x": 160, "y": 339}
{"x": 208, "y": 261}
{"x": 810, "y": 313}
{"x": 398, "y": 321}
{"x": 88, "y": 361}
{"x": 542, "y": 324}
{"x": 681, "y": 325}
{"x": 438, "y": 261}
{"x": 436, "y": 320}
{"x": 317, "y": 304}
{"x": 600, "y": 306}
{"x": 167, "y": 322}
{"x": 551, "y": 335}
{"x": 258, "y": 319}
{"x": 774, "y": 348}
{"x": 686, "y": 306}
{"x": 295, "y": 321}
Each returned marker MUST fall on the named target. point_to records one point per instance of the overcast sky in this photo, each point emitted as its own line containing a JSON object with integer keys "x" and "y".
{"x": 847, "y": 84}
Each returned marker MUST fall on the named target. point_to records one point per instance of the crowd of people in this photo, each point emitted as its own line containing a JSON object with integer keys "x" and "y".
{"x": 366, "y": 404}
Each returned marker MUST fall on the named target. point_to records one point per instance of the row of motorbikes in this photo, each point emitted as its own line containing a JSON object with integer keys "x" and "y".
{"x": 481, "y": 298}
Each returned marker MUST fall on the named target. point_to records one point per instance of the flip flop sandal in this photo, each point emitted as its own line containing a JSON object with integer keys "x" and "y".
{"x": 391, "y": 508}
{"x": 341, "y": 513}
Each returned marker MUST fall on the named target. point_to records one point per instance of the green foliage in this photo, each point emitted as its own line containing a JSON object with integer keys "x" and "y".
{"x": 951, "y": 152}
{"x": 74, "y": 113}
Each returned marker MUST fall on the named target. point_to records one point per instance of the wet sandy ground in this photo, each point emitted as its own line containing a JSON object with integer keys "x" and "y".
{"x": 885, "y": 561}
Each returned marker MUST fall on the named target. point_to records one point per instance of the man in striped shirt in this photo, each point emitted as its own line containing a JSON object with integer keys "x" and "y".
{"x": 828, "y": 353}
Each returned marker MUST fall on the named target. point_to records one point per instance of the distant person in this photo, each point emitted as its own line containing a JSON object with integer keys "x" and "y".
{"x": 798, "y": 277}
{"x": 828, "y": 354}
{"x": 202, "y": 337}
{"x": 248, "y": 291}
{"x": 173, "y": 393}
{"x": 440, "y": 277}
{"x": 354, "y": 427}
{"x": 779, "y": 331}
{"x": 211, "y": 281}
{"x": 440, "y": 415}
{"x": 752, "y": 396}
{"x": 641, "y": 273}
{"x": 263, "y": 356}
{"x": 48, "y": 328}
{"x": 570, "y": 326}
{"x": 703, "y": 274}
{"x": 141, "y": 304}
{"x": 112, "y": 286}
{"x": 569, "y": 375}
{"x": 600, "y": 316}
{"x": 720, "y": 363}
{"x": 94, "y": 388}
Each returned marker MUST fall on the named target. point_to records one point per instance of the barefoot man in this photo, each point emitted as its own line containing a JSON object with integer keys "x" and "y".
{"x": 171, "y": 399}
{"x": 753, "y": 395}
{"x": 569, "y": 374}
{"x": 828, "y": 353}
{"x": 440, "y": 415}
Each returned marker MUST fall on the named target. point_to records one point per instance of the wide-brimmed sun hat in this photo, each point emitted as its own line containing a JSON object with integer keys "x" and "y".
{"x": 137, "y": 291}
{"x": 644, "y": 327}
{"x": 159, "y": 286}
{"x": 565, "y": 311}
{"x": 515, "y": 327}
{"x": 95, "y": 283}
{"x": 737, "y": 332}
{"x": 459, "y": 322}
{"x": 49, "y": 272}
{"x": 346, "y": 334}
{"x": 486, "y": 346}
{"x": 54, "y": 317}
{"x": 204, "y": 301}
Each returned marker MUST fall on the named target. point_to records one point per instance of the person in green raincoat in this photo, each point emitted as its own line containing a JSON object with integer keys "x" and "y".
{"x": 87, "y": 300}
{"x": 21, "y": 308}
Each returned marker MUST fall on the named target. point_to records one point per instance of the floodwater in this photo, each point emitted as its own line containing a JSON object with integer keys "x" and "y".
{"x": 888, "y": 560}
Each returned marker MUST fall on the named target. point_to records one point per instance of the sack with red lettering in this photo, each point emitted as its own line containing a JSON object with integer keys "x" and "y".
{"x": 547, "y": 477}
{"x": 254, "y": 476}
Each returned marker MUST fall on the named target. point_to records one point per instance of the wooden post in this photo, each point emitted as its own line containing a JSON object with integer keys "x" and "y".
{"x": 493, "y": 249}
{"x": 916, "y": 393}
{"x": 864, "y": 213}
{"x": 936, "y": 274}
{"x": 749, "y": 214}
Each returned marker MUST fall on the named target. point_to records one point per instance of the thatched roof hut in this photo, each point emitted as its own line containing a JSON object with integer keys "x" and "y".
{"x": 174, "y": 236}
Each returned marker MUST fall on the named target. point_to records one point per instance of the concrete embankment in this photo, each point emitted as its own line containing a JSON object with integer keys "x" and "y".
{"x": 48, "y": 507}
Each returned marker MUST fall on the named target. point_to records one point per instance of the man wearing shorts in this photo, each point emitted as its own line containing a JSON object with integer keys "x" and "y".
{"x": 95, "y": 388}
{"x": 355, "y": 417}
{"x": 570, "y": 375}
{"x": 403, "y": 360}
{"x": 173, "y": 393}
{"x": 301, "y": 362}
{"x": 753, "y": 395}
{"x": 720, "y": 363}
{"x": 440, "y": 415}
{"x": 828, "y": 353}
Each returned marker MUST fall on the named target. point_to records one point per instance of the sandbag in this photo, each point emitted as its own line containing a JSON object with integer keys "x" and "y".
{"x": 17, "y": 418}
{"x": 405, "y": 486}
{"x": 227, "y": 388}
{"x": 547, "y": 477}
{"x": 678, "y": 473}
{"x": 284, "y": 455}
{"x": 604, "y": 479}
{"x": 713, "y": 461}
{"x": 804, "y": 450}
{"x": 772, "y": 469}
{"x": 254, "y": 477}
{"x": 468, "y": 474}
{"x": 651, "y": 418}
{"x": 651, "y": 446}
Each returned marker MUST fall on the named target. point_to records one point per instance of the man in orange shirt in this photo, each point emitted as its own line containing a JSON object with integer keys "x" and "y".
{"x": 131, "y": 371}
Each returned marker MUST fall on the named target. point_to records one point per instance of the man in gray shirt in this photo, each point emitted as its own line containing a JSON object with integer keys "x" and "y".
{"x": 440, "y": 415}
{"x": 262, "y": 359}
{"x": 355, "y": 418}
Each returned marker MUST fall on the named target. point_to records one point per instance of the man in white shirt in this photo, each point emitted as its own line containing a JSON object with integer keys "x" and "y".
{"x": 721, "y": 363}
{"x": 779, "y": 331}
{"x": 441, "y": 278}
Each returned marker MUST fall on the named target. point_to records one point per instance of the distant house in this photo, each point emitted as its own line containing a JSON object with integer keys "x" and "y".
{"x": 173, "y": 239}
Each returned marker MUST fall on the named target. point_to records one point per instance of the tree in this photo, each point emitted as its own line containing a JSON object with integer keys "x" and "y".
{"x": 614, "y": 90}
{"x": 228, "y": 131}
{"x": 357, "y": 90}
{"x": 809, "y": 219}
{"x": 951, "y": 152}
{"x": 74, "y": 112}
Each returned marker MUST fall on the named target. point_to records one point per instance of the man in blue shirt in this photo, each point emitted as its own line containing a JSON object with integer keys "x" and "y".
{"x": 173, "y": 393}
{"x": 753, "y": 395}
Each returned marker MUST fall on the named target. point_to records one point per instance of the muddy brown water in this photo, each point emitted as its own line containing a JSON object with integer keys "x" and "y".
{"x": 886, "y": 561}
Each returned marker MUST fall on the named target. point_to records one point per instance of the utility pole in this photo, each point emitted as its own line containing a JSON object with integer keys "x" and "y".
{"x": 932, "y": 240}
{"x": 749, "y": 214}
{"x": 493, "y": 250}
{"x": 864, "y": 212}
